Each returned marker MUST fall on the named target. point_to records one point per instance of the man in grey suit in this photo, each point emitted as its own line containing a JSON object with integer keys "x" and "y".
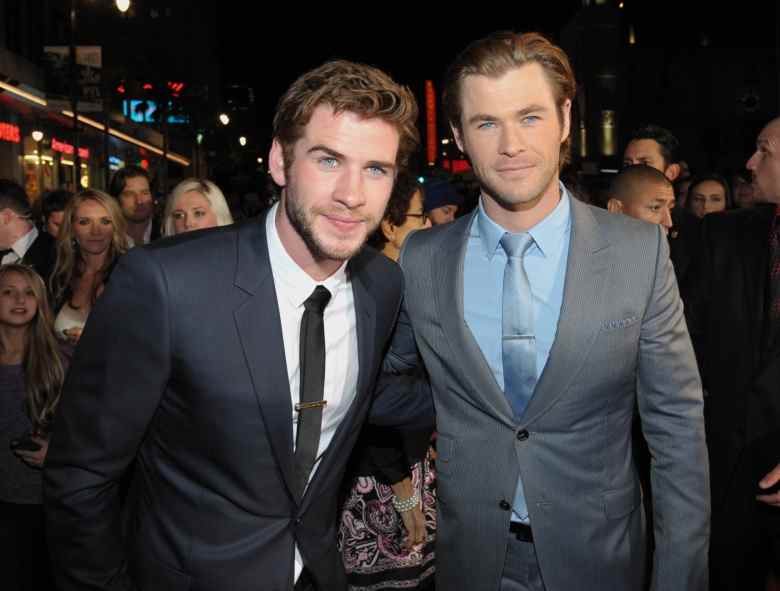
{"x": 539, "y": 353}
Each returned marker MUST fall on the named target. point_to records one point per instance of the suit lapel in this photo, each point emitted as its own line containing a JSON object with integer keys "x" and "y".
{"x": 259, "y": 329}
{"x": 579, "y": 321}
{"x": 447, "y": 269}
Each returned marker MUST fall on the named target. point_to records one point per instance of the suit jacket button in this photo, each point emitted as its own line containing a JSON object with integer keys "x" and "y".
{"x": 522, "y": 435}
{"x": 298, "y": 521}
{"x": 504, "y": 505}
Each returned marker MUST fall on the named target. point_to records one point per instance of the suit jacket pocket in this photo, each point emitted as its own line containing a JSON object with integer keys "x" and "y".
{"x": 619, "y": 503}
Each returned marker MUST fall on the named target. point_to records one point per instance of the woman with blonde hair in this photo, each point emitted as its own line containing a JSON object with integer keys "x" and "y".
{"x": 195, "y": 204}
{"x": 92, "y": 238}
{"x": 31, "y": 376}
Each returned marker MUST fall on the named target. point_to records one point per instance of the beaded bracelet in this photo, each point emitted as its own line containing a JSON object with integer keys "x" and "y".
{"x": 406, "y": 504}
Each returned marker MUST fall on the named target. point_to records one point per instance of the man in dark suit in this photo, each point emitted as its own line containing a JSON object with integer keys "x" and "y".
{"x": 210, "y": 358}
{"x": 20, "y": 241}
{"x": 733, "y": 309}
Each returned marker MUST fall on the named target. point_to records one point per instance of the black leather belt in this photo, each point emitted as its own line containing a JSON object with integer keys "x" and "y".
{"x": 521, "y": 531}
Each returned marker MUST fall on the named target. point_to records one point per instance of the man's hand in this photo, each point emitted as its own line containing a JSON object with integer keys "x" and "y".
{"x": 768, "y": 481}
{"x": 34, "y": 458}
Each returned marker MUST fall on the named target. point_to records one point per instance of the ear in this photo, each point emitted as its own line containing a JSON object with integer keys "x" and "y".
{"x": 458, "y": 138}
{"x": 672, "y": 171}
{"x": 276, "y": 163}
{"x": 388, "y": 229}
{"x": 614, "y": 205}
{"x": 566, "y": 119}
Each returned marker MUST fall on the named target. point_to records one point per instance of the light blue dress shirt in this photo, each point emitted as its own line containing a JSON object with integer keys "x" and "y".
{"x": 483, "y": 277}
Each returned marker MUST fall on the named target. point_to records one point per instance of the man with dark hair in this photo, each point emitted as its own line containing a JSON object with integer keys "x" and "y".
{"x": 20, "y": 241}
{"x": 658, "y": 148}
{"x": 131, "y": 186}
{"x": 238, "y": 365}
{"x": 53, "y": 209}
{"x": 733, "y": 308}
{"x": 543, "y": 323}
{"x": 654, "y": 146}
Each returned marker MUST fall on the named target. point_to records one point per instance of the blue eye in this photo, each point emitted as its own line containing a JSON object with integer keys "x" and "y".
{"x": 377, "y": 171}
{"x": 328, "y": 162}
{"x": 486, "y": 125}
{"x": 531, "y": 119}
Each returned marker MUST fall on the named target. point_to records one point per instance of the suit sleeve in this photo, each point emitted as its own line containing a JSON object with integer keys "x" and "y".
{"x": 671, "y": 408}
{"x": 116, "y": 379}
{"x": 403, "y": 392}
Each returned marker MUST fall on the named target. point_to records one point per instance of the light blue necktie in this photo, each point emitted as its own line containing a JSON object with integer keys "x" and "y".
{"x": 518, "y": 340}
{"x": 517, "y": 320}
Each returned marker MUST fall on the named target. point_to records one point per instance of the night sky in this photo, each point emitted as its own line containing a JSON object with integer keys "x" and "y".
{"x": 270, "y": 53}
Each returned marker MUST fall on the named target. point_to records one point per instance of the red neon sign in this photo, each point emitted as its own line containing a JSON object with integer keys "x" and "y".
{"x": 66, "y": 148}
{"x": 430, "y": 121}
{"x": 10, "y": 133}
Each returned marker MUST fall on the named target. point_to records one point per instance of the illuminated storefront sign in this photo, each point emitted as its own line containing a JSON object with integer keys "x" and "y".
{"x": 65, "y": 148}
{"x": 10, "y": 133}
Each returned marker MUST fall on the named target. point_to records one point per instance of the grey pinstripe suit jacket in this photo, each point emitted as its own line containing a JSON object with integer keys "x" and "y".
{"x": 621, "y": 340}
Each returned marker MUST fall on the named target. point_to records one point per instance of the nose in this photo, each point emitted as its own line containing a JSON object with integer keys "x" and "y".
{"x": 751, "y": 164}
{"x": 666, "y": 220}
{"x": 511, "y": 142}
{"x": 94, "y": 229}
{"x": 349, "y": 188}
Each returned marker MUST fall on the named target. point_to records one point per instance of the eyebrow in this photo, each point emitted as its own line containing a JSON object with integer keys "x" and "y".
{"x": 338, "y": 155}
{"x": 534, "y": 108}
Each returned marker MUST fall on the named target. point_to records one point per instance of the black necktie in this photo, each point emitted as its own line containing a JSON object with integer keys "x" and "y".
{"x": 312, "y": 362}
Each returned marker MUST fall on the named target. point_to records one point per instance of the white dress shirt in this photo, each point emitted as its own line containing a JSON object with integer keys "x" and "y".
{"x": 20, "y": 247}
{"x": 293, "y": 286}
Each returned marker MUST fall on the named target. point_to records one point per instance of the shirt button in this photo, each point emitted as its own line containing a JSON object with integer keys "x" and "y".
{"x": 504, "y": 505}
{"x": 522, "y": 435}
{"x": 298, "y": 521}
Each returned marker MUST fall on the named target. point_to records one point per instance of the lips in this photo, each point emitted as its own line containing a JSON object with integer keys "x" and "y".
{"x": 19, "y": 310}
{"x": 344, "y": 223}
{"x": 514, "y": 168}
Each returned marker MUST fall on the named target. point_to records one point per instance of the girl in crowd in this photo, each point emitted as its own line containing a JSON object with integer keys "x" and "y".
{"x": 31, "y": 376}
{"x": 709, "y": 193}
{"x": 195, "y": 204}
{"x": 92, "y": 238}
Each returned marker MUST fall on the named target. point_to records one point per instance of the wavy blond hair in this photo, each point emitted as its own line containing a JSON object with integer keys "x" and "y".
{"x": 43, "y": 370}
{"x": 69, "y": 260}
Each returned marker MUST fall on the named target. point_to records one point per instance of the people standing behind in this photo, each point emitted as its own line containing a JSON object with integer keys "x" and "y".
{"x": 654, "y": 146}
{"x": 644, "y": 193}
{"x": 742, "y": 189}
{"x": 442, "y": 201}
{"x": 92, "y": 238}
{"x": 733, "y": 307}
{"x": 31, "y": 376}
{"x": 131, "y": 187}
{"x": 53, "y": 210}
{"x": 709, "y": 193}
{"x": 388, "y": 522}
{"x": 20, "y": 239}
{"x": 195, "y": 204}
